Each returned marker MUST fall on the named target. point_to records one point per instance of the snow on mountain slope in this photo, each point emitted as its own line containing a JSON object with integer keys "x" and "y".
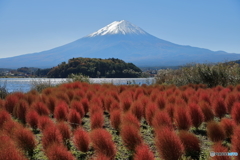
{"x": 119, "y": 27}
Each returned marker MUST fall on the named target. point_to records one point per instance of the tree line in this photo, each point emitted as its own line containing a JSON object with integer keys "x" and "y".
{"x": 94, "y": 68}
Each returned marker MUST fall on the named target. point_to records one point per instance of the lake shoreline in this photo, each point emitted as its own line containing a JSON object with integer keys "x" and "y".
{"x": 24, "y": 84}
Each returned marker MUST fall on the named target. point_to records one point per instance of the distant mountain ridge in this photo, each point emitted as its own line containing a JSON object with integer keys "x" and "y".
{"x": 122, "y": 40}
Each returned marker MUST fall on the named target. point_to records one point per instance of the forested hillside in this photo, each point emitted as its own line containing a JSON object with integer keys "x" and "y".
{"x": 95, "y": 67}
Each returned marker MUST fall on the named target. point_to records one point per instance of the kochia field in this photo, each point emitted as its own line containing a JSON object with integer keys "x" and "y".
{"x": 106, "y": 122}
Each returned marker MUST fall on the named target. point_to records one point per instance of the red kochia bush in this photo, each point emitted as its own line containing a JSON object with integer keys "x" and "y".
{"x": 168, "y": 144}
{"x": 228, "y": 125}
{"x": 218, "y": 88}
{"x": 51, "y": 103}
{"x": 229, "y": 101}
{"x": 170, "y": 109}
{"x": 114, "y": 94}
{"x": 85, "y": 104}
{"x": 4, "y": 116}
{"x": 182, "y": 118}
{"x": 94, "y": 108}
{"x": 185, "y": 96}
{"x": 8, "y": 150}
{"x": 25, "y": 140}
{"x": 89, "y": 94}
{"x": 125, "y": 104}
{"x": 44, "y": 122}
{"x": 121, "y": 88}
{"x": 205, "y": 97}
{"x": 81, "y": 140}
{"x": 32, "y": 118}
{"x": 215, "y": 131}
{"x": 144, "y": 100}
{"x": 10, "y": 103}
{"x": 137, "y": 109}
{"x": 61, "y": 111}
{"x": 51, "y": 135}
{"x": 224, "y": 93}
{"x": 115, "y": 118}
{"x": 196, "y": 115}
{"x": 78, "y": 95}
{"x": 193, "y": 99}
{"x": 207, "y": 111}
{"x": 236, "y": 112}
{"x": 41, "y": 108}
{"x": 161, "y": 102}
{"x": 153, "y": 95}
{"x": 58, "y": 152}
{"x": 62, "y": 96}
{"x": 47, "y": 91}
{"x": 151, "y": 109}
{"x": 70, "y": 94}
{"x": 97, "y": 101}
{"x": 103, "y": 143}
{"x": 20, "y": 95}
{"x": 130, "y": 136}
{"x": 191, "y": 144}
{"x": 143, "y": 153}
{"x": 108, "y": 100}
{"x": 219, "y": 107}
{"x": 130, "y": 119}
{"x": 114, "y": 106}
{"x": 180, "y": 102}
{"x": 97, "y": 120}
{"x": 10, "y": 126}
{"x": 43, "y": 98}
{"x": 78, "y": 107}
{"x": 74, "y": 118}
{"x": 171, "y": 99}
{"x": 218, "y": 147}
{"x": 236, "y": 141}
{"x": 31, "y": 97}
{"x": 65, "y": 131}
{"x": 20, "y": 110}
{"x": 161, "y": 119}
{"x": 138, "y": 93}
{"x": 127, "y": 94}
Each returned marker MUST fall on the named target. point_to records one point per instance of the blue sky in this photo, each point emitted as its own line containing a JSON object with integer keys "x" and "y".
{"x": 29, "y": 26}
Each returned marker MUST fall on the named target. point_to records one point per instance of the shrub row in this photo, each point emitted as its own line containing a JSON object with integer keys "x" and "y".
{"x": 173, "y": 113}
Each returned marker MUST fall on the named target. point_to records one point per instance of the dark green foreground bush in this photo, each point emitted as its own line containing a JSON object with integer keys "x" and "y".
{"x": 223, "y": 74}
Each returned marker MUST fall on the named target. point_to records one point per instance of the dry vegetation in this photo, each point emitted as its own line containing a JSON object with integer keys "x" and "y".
{"x": 212, "y": 75}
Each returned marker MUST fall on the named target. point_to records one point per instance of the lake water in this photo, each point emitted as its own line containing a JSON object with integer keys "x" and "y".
{"x": 25, "y": 84}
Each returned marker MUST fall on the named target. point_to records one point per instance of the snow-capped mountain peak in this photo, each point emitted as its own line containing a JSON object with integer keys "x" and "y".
{"x": 118, "y": 27}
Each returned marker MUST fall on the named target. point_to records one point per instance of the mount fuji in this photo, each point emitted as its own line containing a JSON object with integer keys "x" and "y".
{"x": 122, "y": 40}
